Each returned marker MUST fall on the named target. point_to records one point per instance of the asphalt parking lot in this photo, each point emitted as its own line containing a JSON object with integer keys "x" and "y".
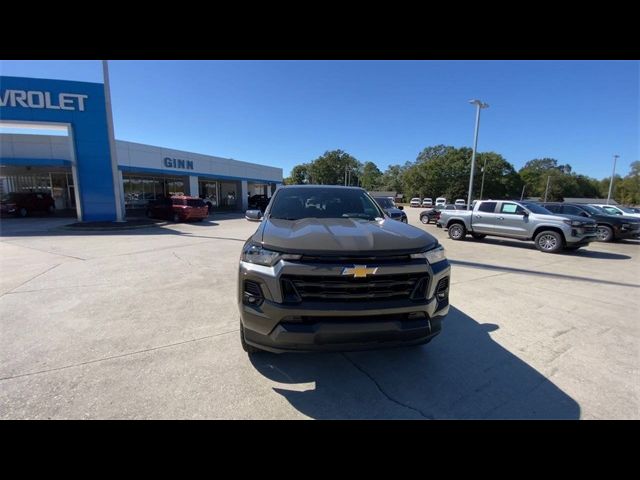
{"x": 144, "y": 324}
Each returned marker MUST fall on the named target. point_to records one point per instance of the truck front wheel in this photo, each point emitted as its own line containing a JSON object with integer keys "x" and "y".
{"x": 549, "y": 241}
{"x": 457, "y": 231}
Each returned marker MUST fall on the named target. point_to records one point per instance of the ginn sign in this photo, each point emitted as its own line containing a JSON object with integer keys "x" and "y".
{"x": 34, "y": 99}
{"x": 178, "y": 163}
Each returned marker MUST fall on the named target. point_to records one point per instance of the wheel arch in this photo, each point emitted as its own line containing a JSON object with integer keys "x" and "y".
{"x": 544, "y": 228}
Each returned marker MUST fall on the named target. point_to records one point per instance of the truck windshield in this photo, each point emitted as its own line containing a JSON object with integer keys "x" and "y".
{"x": 537, "y": 209}
{"x": 385, "y": 202}
{"x": 311, "y": 202}
{"x": 591, "y": 210}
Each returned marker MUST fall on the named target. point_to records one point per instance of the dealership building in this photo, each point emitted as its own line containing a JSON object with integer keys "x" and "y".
{"x": 84, "y": 170}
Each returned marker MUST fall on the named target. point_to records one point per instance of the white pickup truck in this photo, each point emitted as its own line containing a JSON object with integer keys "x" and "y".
{"x": 522, "y": 221}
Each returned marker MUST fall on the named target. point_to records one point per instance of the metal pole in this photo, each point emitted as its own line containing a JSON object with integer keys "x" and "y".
{"x": 615, "y": 158}
{"x": 473, "y": 156}
{"x": 547, "y": 189}
{"x": 522, "y": 196}
{"x": 483, "y": 171}
{"x": 117, "y": 186}
{"x": 345, "y": 175}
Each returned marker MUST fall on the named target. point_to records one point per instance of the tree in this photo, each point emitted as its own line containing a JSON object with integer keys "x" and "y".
{"x": 299, "y": 175}
{"x": 392, "y": 179}
{"x": 330, "y": 168}
{"x": 371, "y": 176}
{"x": 444, "y": 171}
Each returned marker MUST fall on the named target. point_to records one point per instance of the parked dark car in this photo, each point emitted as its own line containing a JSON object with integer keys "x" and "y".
{"x": 610, "y": 227}
{"x": 178, "y": 209}
{"x": 433, "y": 214}
{"x": 23, "y": 204}
{"x": 430, "y": 215}
{"x": 258, "y": 202}
{"x": 388, "y": 205}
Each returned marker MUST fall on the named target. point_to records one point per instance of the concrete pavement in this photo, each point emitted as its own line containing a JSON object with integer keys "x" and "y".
{"x": 144, "y": 324}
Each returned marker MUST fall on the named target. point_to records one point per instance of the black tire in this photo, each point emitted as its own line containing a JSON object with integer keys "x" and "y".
{"x": 549, "y": 241}
{"x": 22, "y": 212}
{"x": 52, "y": 209}
{"x": 604, "y": 233}
{"x": 209, "y": 207}
{"x": 425, "y": 219}
{"x": 250, "y": 349}
{"x": 457, "y": 231}
{"x": 175, "y": 217}
{"x": 478, "y": 236}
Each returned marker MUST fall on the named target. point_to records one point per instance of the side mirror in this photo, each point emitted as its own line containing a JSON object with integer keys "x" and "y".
{"x": 584, "y": 214}
{"x": 253, "y": 215}
{"x": 525, "y": 214}
{"x": 400, "y": 207}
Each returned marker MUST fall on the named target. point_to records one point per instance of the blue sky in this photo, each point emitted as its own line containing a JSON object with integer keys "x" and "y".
{"x": 282, "y": 113}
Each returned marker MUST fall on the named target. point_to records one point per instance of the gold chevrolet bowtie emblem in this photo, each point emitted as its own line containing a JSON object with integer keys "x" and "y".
{"x": 359, "y": 271}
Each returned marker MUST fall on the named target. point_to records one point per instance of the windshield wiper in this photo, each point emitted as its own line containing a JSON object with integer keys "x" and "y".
{"x": 358, "y": 215}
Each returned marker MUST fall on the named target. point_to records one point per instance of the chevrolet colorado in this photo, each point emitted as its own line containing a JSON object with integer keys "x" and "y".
{"x": 328, "y": 270}
{"x": 506, "y": 218}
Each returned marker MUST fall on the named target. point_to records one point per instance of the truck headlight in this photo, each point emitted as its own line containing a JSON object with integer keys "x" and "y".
{"x": 255, "y": 253}
{"x": 432, "y": 256}
{"x": 573, "y": 223}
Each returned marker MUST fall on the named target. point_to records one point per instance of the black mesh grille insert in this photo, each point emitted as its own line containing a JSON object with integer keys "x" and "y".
{"x": 346, "y": 289}
{"x": 253, "y": 288}
{"x": 443, "y": 287}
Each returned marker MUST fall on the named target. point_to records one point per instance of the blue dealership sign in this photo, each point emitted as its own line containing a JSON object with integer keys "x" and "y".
{"x": 81, "y": 106}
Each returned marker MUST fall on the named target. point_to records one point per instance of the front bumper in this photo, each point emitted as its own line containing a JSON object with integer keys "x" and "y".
{"x": 623, "y": 233}
{"x": 337, "y": 326}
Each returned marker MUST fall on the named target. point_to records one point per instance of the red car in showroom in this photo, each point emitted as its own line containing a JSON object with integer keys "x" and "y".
{"x": 178, "y": 209}
{"x": 23, "y": 204}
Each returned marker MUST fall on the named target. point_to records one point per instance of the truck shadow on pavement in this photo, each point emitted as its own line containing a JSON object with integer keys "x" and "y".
{"x": 583, "y": 252}
{"x": 461, "y": 374}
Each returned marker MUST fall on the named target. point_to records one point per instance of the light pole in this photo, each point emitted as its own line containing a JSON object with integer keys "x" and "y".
{"x": 547, "y": 189}
{"x": 480, "y": 105}
{"x": 615, "y": 158}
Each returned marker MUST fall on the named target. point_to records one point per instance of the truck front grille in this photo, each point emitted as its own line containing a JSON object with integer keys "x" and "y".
{"x": 378, "y": 260}
{"x": 345, "y": 289}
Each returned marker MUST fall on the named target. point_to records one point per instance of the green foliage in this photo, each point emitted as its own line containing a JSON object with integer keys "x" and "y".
{"x": 443, "y": 170}
{"x": 371, "y": 176}
{"x": 329, "y": 169}
{"x": 299, "y": 175}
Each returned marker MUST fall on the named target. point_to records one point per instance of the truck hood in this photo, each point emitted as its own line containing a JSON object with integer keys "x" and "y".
{"x": 344, "y": 236}
{"x": 393, "y": 212}
{"x": 559, "y": 218}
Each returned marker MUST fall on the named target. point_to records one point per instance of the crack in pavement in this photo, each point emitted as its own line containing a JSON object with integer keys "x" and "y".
{"x": 40, "y": 250}
{"x": 111, "y": 357}
{"x": 381, "y": 390}
{"x": 32, "y": 278}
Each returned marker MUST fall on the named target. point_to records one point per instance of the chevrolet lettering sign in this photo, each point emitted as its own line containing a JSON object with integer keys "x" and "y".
{"x": 359, "y": 271}
{"x": 35, "y": 99}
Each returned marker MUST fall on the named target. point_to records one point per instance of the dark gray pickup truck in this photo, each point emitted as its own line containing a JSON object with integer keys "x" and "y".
{"x": 327, "y": 269}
